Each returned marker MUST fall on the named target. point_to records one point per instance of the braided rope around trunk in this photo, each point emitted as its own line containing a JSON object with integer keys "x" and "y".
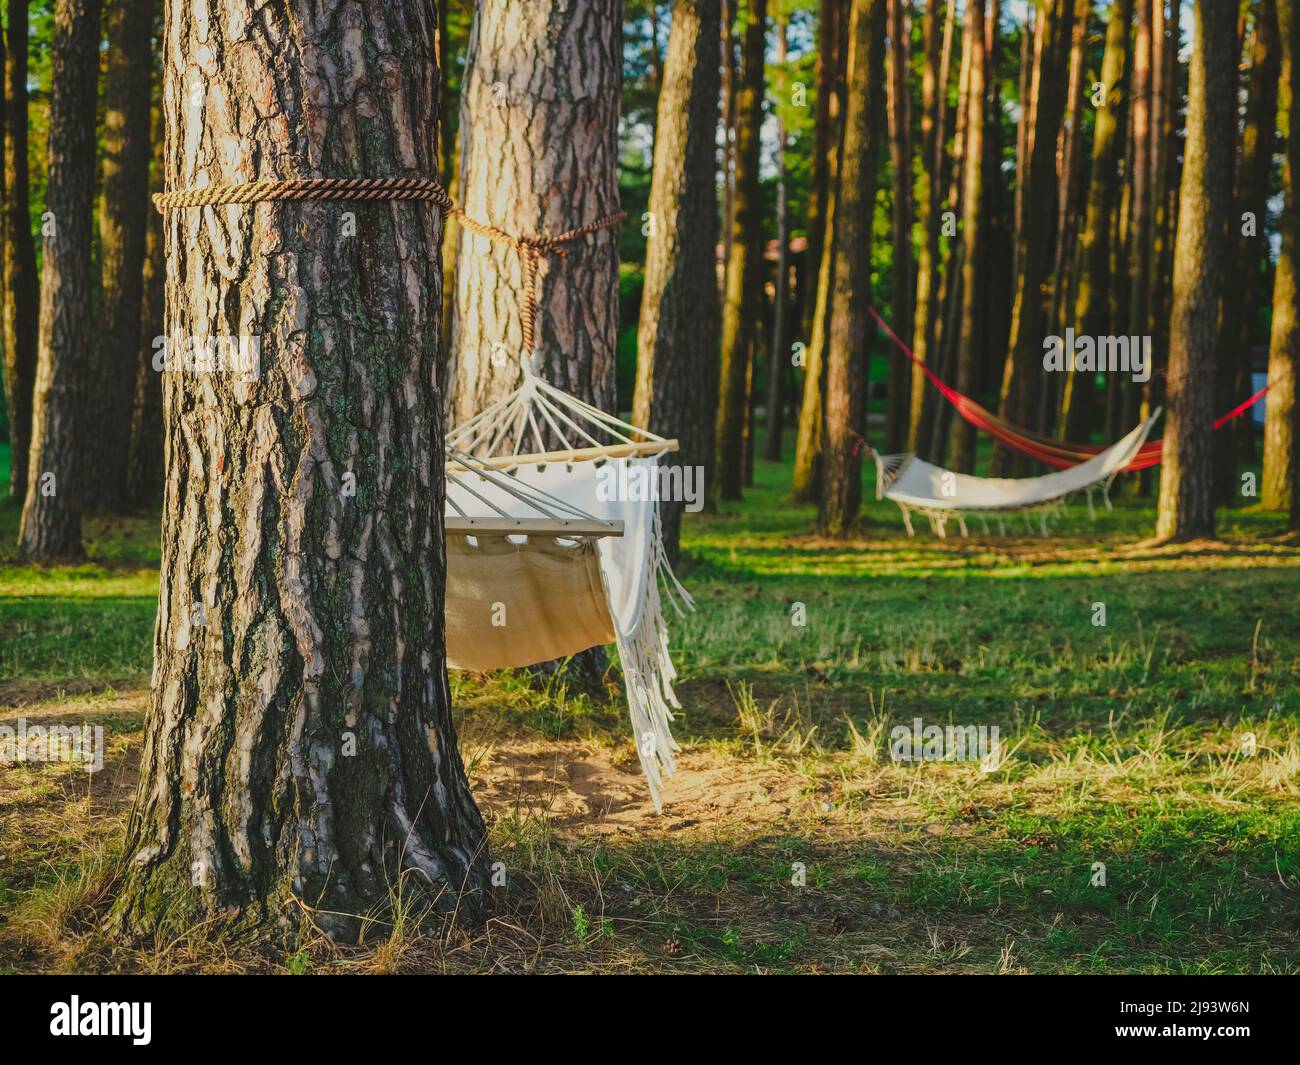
{"x": 532, "y": 249}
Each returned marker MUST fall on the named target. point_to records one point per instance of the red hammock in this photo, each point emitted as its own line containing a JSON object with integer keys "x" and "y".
{"x": 1058, "y": 453}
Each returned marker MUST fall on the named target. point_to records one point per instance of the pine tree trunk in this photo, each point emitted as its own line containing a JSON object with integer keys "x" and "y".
{"x": 1234, "y": 442}
{"x": 539, "y": 157}
{"x": 900, "y": 153}
{"x": 1200, "y": 276}
{"x": 1282, "y": 413}
{"x": 19, "y": 317}
{"x": 51, "y": 521}
{"x": 925, "y": 314}
{"x": 1023, "y": 367}
{"x": 744, "y": 268}
{"x": 831, "y": 20}
{"x": 961, "y": 446}
{"x": 677, "y": 333}
{"x": 776, "y": 362}
{"x": 847, "y": 351}
{"x": 123, "y": 218}
{"x": 145, "y": 464}
{"x": 299, "y": 754}
{"x": 1092, "y": 301}
{"x": 1063, "y": 272}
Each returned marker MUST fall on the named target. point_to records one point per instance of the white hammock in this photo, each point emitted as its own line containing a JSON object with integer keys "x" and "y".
{"x": 942, "y": 495}
{"x": 565, "y": 588}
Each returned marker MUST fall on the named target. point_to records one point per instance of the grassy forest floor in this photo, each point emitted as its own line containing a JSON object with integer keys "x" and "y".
{"x": 1124, "y": 745}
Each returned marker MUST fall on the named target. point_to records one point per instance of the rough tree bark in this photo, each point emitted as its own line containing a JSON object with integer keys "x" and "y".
{"x": 1235, "y": 442}
{"x": 900, "y": 154}
{"x": 740, "y": 311}
{"x": 299, "y": 753}
{"x": 539, "y": 157}
{"x": 1023, "y": 368}
{"x": 961, "y": 445}
{"x": 677, "y": 333}
{"x": 51, "y": 521}
{"x": 847, "y": 351}
{"x": 1092, "y": 300}
{"x": 19, "y": 317}
{"x": 1279, "y": 489}
{"x": 1200, "y": 273}
{"x": 123, "y": 214}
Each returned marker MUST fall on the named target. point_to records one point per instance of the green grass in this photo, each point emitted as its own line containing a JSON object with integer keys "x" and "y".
{"x": 1164, "y": 746}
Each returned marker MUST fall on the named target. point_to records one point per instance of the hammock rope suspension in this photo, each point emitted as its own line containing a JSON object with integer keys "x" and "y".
{"x": 532, "y": 250}
{"x": 1059, "y": 453}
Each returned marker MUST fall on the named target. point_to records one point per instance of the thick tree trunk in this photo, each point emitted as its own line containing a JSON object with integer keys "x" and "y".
{"x": 1200, "y": 274}
{"x": 961, "y": 446}
{"x": 925, "y": 327}
{"x": 51, "y": 521}
{"x": 19, "y": 317}
{"x": 900, "y": 153}
{"x": 539, "y": 157}
{"x": 300, "y": 754}
{"x": 677, "y": 333}
{"x": 145, "y": 464}
{"x": 1282, "y": 413}
{"x": 846, "y": 353}
{"x": 1234, "y": 443}
{"x": 745, "y": 265}
{"x": 1023, "y": 368}
{"x": 123, "y": 213}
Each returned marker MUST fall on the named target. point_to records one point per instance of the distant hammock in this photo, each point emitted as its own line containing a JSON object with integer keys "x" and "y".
{"x": 1059, "y": 453}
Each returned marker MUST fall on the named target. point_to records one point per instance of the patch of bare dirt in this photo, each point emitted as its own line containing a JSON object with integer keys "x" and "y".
{"x": 584, "y": 788}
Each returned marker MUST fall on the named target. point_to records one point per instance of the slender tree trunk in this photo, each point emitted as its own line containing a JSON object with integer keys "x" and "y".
{"x": 1070, "y": 149}
{"x": 1280, "y": 490}
{"x": 1023, "y": 368}
{"x": 677, "y": 334}
{"x": 847, "y": 350}
{"x": 1139, "y": 399}
{"x": 776, "y": 362}
{"x": 1092, "y": 301}
{"x": 744, "y": 269}
{"x": 123, "y": 218}
{"x": 145, "y": 465}
{"x": 539, "y": 157}
{"x": 1234, "y": 443}
{"x": 831, "y": 20}
{"x": 19, "y": 318}
{"x": 900, "y": 149}
{"x": 1200, "y": 274}
{"x": 300, "y": 752}
{"x": 51, "y": 521}
{"x": 961, "y": 448}
{"x": 924, "y": 327}
{"x": 1167, "y": 170}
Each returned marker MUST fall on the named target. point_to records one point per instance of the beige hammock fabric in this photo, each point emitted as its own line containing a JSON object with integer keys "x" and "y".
{"x": 514, "y": 604}
{"x": 941, "y": 495}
